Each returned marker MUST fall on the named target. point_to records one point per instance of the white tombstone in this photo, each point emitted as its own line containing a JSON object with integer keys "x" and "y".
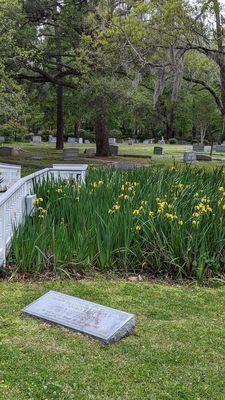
{"x": 207, "y": 149}
{"x": 80, "y": 140}
{"x": 36, "y": 139}
{"x": 112, "y": 140}
{"x": 71, "y": 139}
{"x": 87, "y": 142}
{"x": 147, "y": 141}
{"x": 51, "y": 139}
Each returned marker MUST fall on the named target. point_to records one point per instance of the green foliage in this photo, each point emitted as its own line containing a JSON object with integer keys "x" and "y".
{"x": 165, "y": 221}
{"x": 85, "y": 134}
{"x": 173, "y": 141}
{"x": 13, "y": 131}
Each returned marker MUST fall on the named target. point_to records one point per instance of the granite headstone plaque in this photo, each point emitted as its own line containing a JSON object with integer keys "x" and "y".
{"x": 99, "y": 322}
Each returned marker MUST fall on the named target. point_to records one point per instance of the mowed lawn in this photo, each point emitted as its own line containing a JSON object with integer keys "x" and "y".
{"x": 177, "y": 350}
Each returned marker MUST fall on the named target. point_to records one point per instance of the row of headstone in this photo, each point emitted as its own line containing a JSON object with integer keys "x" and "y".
{"x": 220, "y": 148}
{"x": 52, "y": 139}
{"x": 198, "y": 147}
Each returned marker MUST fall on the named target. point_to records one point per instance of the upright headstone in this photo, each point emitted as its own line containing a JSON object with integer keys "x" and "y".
{"x": 71, "y": 139}
{"x": 70, "y": 154}
{"x": 112, "y": 140}
{"x": 220, "y": 148}
{"x": 51, "y": 139}
{"x": 199, "y": 147}
{"x": 189, "y": 157}
{"x": 36, "y": 139}
{"x": 114, "y": 149}
{"x": 90, "y": 152}
{"x": 158, "y": 151}
{"x": 147, "y": 141}
{"x": 80, "y": 140}
{"x": 103, "y": 323}
{"x": 207, "y": 149}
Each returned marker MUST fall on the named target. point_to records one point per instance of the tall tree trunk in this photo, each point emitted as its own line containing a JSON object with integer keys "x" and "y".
{"x": 169, "y": 125}
{"x": 59, "y": 88}
{"x": 101, "y": 134}
{"x": 76, "y": 128}
{"x": 59, "y": 116}
{"x": 221, "y": 48}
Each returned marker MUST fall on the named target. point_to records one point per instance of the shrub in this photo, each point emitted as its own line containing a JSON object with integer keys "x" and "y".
{"x": 173, "y": 141}
{"x": 85, "y": 134}
{"x": 206, "y": 142}
{"x": 13, "y": 131}
{"x": 116, "y": 133}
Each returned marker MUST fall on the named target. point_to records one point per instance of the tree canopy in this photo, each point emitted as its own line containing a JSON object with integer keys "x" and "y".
{"x": 127, "y": 68}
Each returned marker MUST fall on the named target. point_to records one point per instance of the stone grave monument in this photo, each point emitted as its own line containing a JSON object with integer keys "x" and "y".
{"x": 7, "y": 151}
{"x": 51, "y": 139}
{"x": 199, "y": 147}
{"x": 71, "y": 139}
{"x": 158, "y": 151}
{"x": 190, "y": 157}
{"x": 103, "y": 323}
{"x": 36, "y": 139}
{"x": 90, "y": 152}
{"x": 114, "y": 149}
{"x": 112, "y": 140}
{"x": 70, "y": 154}
{"x": 203, "y": 157}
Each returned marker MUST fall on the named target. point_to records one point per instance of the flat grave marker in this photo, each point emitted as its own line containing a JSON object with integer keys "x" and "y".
{"x": 103, "y": 323}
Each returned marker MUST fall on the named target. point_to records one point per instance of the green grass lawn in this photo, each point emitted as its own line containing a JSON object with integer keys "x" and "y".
{"x": 45, "y": 154}
{"x": 177, "y": 350}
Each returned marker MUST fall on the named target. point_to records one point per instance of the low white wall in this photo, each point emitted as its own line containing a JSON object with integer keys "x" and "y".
{"x": 13, "y": 201}
{"x": 10, "y": 174}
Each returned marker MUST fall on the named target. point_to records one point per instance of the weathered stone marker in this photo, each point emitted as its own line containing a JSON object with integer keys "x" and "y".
{"x": 158, "y": 151}
{"x": 190, "y": 157}
{"x": 99, "y": 322}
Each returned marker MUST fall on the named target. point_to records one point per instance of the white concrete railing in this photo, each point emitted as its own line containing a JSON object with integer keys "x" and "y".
{"x": 13, "y": 201}
{"x": 10, "y": 174}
